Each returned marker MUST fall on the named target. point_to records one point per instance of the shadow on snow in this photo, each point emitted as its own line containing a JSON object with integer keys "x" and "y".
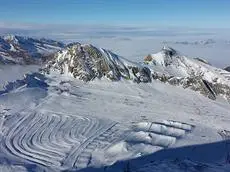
{"x": 212, "y": 154}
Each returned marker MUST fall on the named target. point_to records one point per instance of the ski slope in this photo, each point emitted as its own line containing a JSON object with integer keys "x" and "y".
{"x": 56, "y": 123}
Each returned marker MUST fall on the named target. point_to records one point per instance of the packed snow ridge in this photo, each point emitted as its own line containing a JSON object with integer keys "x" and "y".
{"x": 23, "y": 50}
{"x": 87, "y": 62}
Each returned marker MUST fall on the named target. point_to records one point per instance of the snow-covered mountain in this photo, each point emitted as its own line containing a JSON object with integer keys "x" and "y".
{"x": 171, "y": 66}
{"x": 171, "y": 62}
{"x": 87, "y": 62}
{"x": 200, "y": 42}
{"x": 59, "y": 123}
{"x": 73, "y": 118}
{"x": 24, "y": 50}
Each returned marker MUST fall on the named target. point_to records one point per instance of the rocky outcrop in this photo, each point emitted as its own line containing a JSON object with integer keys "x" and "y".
{"x": 202, "y": 60}
{"x": 148, "y": 58}
{"x": 227, "y": 68}
{"x": 195, "y": 83}
{"x": 87, "y": 62}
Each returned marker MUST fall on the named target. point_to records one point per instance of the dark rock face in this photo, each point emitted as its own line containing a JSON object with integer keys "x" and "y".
{"x": 169, "y": 54}
{"x": 169, "y": 51}
{"x": 145, "y": 75}
{"x": 202, "y": 60}
{"x": 87, "y": 62}
{"x": 196, "y": 83}
{"x": 227, "y": 68}
{"x": 141, "y": 74}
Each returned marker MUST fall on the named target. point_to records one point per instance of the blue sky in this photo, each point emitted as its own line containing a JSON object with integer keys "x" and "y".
{"x": 191, "y": 13}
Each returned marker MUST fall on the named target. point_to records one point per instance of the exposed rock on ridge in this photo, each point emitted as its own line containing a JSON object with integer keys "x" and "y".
{"x": 87, "y": 62}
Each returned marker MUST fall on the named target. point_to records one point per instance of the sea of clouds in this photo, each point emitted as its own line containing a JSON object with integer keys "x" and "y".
{"x": 135, "y": 42}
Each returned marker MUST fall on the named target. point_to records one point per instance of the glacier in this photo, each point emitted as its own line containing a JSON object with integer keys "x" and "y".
{"x": 89, "y": 109}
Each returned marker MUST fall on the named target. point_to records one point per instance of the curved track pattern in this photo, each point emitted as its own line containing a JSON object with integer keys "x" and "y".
{"x": 162, "y": 134}
{"x": 69, "y": 141}
{"x": 53, "y": 139}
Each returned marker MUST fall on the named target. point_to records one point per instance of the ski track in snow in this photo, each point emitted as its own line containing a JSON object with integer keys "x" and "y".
{"x": 45, "y": 135}
{"x": 162, "y": 134}
{"x": 55, "y": 139}
{"x": 66, "y": 141}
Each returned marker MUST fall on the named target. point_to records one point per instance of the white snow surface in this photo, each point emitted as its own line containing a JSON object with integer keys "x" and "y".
{"x": 56, "y": 122}
{"x": 10, "y": 73}
{"x": 183, "y": 66}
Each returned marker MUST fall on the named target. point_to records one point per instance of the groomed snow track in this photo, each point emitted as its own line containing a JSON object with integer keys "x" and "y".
{"x": 58, "y": 140}
{"x": 65, "y": 142}
{"x": 160, "y": 134}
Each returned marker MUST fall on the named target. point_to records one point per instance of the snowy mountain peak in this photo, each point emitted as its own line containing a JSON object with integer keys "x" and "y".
{"x": 168, "y": 65}
{"x": 86, "y": 62}
{"x": 169, "y": 51}
{"x": 163, "y": 58}
{"x": 170, "y": 62}
{"x": 18, "y": 49}
{"x": 11, "y": 38}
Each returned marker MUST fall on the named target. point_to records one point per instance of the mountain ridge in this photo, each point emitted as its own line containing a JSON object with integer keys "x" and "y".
{"x": 25, "y": 50}
{"x": 87, "y": 62}
{"x": 90, "y": 109}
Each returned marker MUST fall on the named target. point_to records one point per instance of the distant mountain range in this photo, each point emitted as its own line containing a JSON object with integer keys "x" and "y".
{"x": 201, "y": 42}
{"x": 87, "y": 62}
{"x": 23, "y": 50}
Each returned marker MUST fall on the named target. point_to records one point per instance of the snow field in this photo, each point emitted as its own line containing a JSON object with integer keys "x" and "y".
{"x": 158, "y": 134}
{"x": 54, "y": 139}
{"x": 76, "y": 125}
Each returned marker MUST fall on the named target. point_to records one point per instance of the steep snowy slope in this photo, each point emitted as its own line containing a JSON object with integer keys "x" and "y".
{"x": 170, "y": 66}
{"x": 171, "y": 62}
{"x": 24, "y": 50}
